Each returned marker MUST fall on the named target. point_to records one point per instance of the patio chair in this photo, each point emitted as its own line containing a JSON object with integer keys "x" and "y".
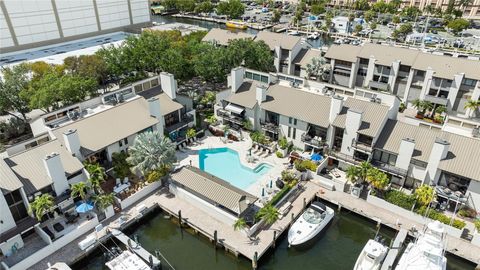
{"x": 118, "y": 182}
{"x": 125, "y": 180}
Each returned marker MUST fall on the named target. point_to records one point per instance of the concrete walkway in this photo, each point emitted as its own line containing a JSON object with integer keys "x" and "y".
{"x": 459, "y": 247}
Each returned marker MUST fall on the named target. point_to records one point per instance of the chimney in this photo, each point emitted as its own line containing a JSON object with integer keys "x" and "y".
{"x": 237, "y": 78}
{"x": 56, "y": 172}
{"x": 336, "y": 105}
{"x": 261, "y": 93}
{"x": 169, "y": 85}
{"x": 154, "y": 108}
{"x": 353, "y": 121}
{"x": 439, "y": 152}
{"x": 72, "y": 142}
{"x": 405, "y": 153}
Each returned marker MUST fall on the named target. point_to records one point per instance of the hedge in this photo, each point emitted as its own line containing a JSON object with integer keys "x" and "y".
{"x": 400, "y": 199}
{"x": 435, "y": 215}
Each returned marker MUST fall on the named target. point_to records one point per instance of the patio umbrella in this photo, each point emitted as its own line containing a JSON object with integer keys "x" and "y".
{"x": 316, "y": 157}
{"x": 263, "y": 192}
{"x": 84, "y": 207}
{"x": 271, "y": 183}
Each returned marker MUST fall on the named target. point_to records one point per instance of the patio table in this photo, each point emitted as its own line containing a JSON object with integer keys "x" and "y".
{"x": 122, "y": 187}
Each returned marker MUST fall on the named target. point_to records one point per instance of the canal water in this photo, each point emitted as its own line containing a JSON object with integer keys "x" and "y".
{"x": 209, "y": 25}
{"x": 336, "y": 248}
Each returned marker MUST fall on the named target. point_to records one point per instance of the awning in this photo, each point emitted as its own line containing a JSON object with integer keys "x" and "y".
{"x": 234, "y": 108}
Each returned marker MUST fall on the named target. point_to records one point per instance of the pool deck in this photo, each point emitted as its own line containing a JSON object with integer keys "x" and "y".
{"x": 190, "y": 154}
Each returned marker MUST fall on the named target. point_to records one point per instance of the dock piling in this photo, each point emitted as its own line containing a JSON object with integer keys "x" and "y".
{"x": 180, "y": 218}
{"x": 255, "y": 260}
{"x": 304, "y": 202}
{"x": 274, "y": 238}
{"x": 215, "y": 239}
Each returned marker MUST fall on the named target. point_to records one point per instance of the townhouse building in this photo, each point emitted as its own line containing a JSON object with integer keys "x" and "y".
{"x": 52, "y": 161}
{"x": 287, "y": 50}
{"x": 351, "y": 127}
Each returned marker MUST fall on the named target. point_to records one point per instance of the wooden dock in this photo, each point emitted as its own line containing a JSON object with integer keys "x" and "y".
{"x": 135, "y": 247}
{"x": 256, "y": 26}
{"x": 394, "y": 249}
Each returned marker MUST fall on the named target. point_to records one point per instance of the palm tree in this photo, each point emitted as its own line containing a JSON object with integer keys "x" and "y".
{"x": 80, "y": 189}
{"x": 427, "y": 106}
{"x": 97, "y": 176}
{"x": 41, "y": 205}
{"x": 352, "y": 174}
{"x": 473, "y": 105}
{"x": 440, "y": 109}
{"x": 377, "y": 179}
{"x": 424, "y": 194}
{"x": 269, "y": 213}
{"x": 104, "y": 200}
{"x": 239, "y": 224}
{"x": 417, "y": 104}
{"x": 151, "y": 151}
{"x": 364, "y": 170}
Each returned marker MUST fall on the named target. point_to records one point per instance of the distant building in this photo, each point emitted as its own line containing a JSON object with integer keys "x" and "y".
{"x": 35, "y": 23}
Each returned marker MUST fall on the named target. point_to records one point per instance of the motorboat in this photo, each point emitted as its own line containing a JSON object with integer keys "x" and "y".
{"x": 372, "y": 256}
{"x": 236, "y": 24}
{"x": 127, "y": 261}
{"x": 310, "y": 223}
{"x": 293, "y": 33}
{"x": 427, "y": 251}
{"x": 314, "y": 35}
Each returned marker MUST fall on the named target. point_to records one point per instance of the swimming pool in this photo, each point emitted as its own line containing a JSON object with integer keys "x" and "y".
{"x": 225, "y": 164}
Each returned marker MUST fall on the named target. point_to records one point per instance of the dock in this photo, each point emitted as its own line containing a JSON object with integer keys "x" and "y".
{"x": 135, "y": 247}
{"x": 394, "y": 249}
{"x": 256, "y": 26}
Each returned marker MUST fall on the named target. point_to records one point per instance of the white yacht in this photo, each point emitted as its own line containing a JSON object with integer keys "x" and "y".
{"x": 127, "y": 261}
{"x": 293, "y": 33}
{"x": 310, "y": 223}
{"x": 372, "y": 256}
{"x": 314, "y": 35}
{"x": 427, "y": 252}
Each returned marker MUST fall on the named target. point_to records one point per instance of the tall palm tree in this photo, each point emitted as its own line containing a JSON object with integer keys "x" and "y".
{"x": 473, "y": 105}
{"x": 41, "y": 205}
{"x": 80, "y": 189}
{"x": 151, "y": 151}
{"x": 239, "y": 224}
{"x": 97, "y": 176}
{"x": 104, "y": 200}
{"x": 269, "y": 213}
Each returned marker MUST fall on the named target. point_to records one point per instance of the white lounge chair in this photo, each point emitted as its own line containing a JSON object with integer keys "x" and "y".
{"x": 267, "y": 152}
{"x": 125, "y": 180}
{"x": 118, "y": 182}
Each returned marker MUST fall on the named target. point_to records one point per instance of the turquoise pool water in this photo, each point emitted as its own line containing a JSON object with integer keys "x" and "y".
{"x": 225, "y": 163}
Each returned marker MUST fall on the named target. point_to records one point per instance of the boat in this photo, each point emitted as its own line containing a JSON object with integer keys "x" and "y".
{"x": 312, "y": 221}
{"x": 372, "y": 256}
{"x": 127, "y": 261}
{"x": 236, "y": 24}
{"x": 293, "y": 33}
{"x": 427, "y": 251}
{"x": 314, "y": 35}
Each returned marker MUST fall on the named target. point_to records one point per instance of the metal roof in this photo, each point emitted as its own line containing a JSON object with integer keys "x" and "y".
{"x": 223, "y": 37}
{"x": 373, "y": 117}
{"x": 167, "y": 105}
{"x": 305, "y": 57}
{"x": 386, "y": 55}
{"x": 105, "y": 128}
{"x": 8, "y": 180}
{"x": 213, "y": 188}
{"x": 245, "y": 95}
{"x": 343, "y": 52}
{"x": 305, "y": 106}
{"x": 274, "y": 39}
{"x": 30, "y": 168}
{"x": 463, "y": 156}
{"x": 446, "y": 66}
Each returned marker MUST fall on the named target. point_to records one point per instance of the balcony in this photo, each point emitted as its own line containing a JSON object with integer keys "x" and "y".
{"x": 437, "y": 100}
{"x": 269, "y": 127}
{"x": 335, "y": 153}
{"x": 187, "y": 120}
{"x": 378, "y": 85}
{"x": 362, "y": 146}
{"x": 389, "y": 168}
{"x": 228, "y": 116}
{"x": 312, "y": 141}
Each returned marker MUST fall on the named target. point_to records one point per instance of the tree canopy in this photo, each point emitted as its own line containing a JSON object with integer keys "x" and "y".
{"x": 232, "y": 8}
{"x": 14, "y": 81}
{"x": 458, "y": 25}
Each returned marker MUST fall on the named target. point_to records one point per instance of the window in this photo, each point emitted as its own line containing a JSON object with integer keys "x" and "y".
{"x": 404, "y": 68}
{"x": 120, "y": 144}
{"x": 289, "y": 131}
{"x": 364, "y": 61}
{"x": 384, "y": 157}
{"x": 294, "y": 133}
{"x": 420, "y": 73}
{"x": 125, "y": 141}
{"x": 16, "y": 206}
{"x": 290, "y": 120}
{"x": 295, "y": 121}
{"x": 362, "y": 72}
{"x": 418, "y": 163}
{"x": 74, "y": 175}
{"x": 469, "y": 82}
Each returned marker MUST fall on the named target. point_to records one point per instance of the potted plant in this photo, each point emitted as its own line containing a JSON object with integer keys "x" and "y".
{"x": 191, "y": 133}
{"x": 283, "y": 145}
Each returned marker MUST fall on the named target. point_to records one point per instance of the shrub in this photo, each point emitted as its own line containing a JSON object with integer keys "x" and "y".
{"x": 303, "y": 165}
{"x": 288, "y": 176}
{"x": 467, "y": 212}
{"x": 283, "y": 143}
{"x": 400, "y": 199}
{"x": 435, "y": 215}
{"x": 277, "y": 197}
{"x": 477, "y": 225}
{"x": 279, "y": 154}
